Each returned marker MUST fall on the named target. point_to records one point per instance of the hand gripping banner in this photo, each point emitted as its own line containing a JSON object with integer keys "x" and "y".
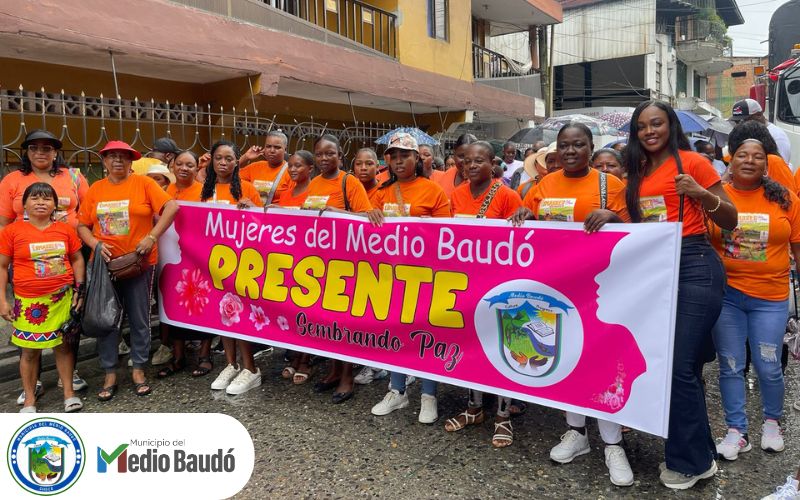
{"x": 544, "y": 313}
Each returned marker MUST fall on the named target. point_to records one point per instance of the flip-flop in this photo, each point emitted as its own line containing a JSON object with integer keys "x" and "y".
{"x": 73, "y": 404}
{"x": 288, "y": 373}
{"x": 202, "y": 371}
{"x": 138, "y": 386}
{"x": 111, "y": 390}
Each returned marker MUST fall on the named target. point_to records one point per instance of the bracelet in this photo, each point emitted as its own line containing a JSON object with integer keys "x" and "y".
{"x": 719, "y": 202}
{"x": 149, "y": 235}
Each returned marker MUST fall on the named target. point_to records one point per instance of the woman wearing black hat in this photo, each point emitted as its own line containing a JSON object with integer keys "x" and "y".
{"x": 42, "y": 162}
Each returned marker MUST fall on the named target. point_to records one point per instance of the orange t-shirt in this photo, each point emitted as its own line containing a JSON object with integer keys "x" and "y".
{"x": 289, "y": 201}
{"x": 261, "y": 175}
{"x": 756, "y": 254}
{"x": 447, "y": 181}
{"x": 223, "y": 196}
{"x": 372, "y": 195}
{"x": 421, "y": 197}
{"x": 570, "y": 199}
{"x": 122, "y": 214}
{"x": 382, "y": 176}
{"x": 436, "y": 175}
{"x": 68, "y": 189}
{"x": 506, "y": 201}
{"x": 779, "y": 171}
{"x": 528, "y": 186}
{"x": 40, "y": 258}
{"x": 192, "y": 193}
{"x": 324, "y": 192}
{"x": 660, "y": 201}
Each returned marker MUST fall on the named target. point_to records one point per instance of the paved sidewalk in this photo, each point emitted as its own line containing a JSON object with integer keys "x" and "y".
{"x": 306, "y": 447}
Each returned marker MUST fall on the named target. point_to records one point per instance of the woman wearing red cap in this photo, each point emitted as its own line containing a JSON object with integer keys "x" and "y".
{"x": 118, "y": 212}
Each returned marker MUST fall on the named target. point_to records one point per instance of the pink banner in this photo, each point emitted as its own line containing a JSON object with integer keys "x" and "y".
{"x": 475, "y": 303}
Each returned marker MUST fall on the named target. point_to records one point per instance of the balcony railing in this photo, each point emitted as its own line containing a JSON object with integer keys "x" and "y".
{"x": 490, "y": 64}
{"x": 691, "y": 29}
{"x": 358, "y": 21}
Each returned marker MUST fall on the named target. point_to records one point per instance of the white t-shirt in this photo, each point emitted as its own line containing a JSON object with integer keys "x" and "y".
{"x": 782, "y": 140}
{"x": 511, "y": 168}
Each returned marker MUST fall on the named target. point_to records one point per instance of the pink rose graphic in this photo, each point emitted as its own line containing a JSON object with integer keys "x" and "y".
{"x": 257, "y": 316}
{"x": 229, "y": 309}
{"x": 282, "y": 323}
{"x": 192, "y": 291}
{"x": 614, "y": 396}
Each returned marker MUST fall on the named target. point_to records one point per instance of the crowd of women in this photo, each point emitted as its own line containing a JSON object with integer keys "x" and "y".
{"x": 738, "y": 233}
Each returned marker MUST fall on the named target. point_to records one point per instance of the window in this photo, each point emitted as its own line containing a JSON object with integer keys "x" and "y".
{"x": 438, "y": 19}
{"x": 739, "y": 74}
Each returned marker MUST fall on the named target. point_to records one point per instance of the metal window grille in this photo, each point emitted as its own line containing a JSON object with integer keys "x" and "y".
{"x": 438, "y": 14}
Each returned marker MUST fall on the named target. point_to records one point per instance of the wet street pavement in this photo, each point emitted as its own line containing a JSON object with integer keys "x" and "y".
{"x": 307, "y": 447}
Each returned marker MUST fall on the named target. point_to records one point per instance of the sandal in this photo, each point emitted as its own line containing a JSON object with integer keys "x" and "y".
{"x": 137, "y": 389}
{"x": 173, "y": 366}
{"x": 109, "y": 392}
{"x": 463, "y": 420}
{"x": 517, "y": 408}
{"x": 503, "y": 434}
{"x": 300, "y": 378}
{"x": 288, "y": 373}
{"x": 28, "y": 409}
{"x": 72, "y": 404}
{"x": 201, "y": 370}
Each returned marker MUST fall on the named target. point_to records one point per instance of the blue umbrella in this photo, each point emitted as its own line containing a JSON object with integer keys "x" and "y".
{"x": 689, "y": 121}
{"x": 419, "y": 135}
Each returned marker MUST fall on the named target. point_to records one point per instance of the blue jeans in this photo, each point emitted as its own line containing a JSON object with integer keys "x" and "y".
{"x": 397, "y": 381}
{"x": 690, "y": 447}
{"x": 762, "y": 323}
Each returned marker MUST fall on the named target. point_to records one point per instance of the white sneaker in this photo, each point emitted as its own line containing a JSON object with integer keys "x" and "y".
{"x": 786, "y": 491}
{"x": 243, "y": 382}
{"x": 225, "y": 377}
{"x": 38, "y": 392}
{"x": 732, "y": 444}
{"x": 123, "y": 348}
{"x": 391, "y": 402}
{"x": 428, "y": 410}
{"x": 267, "y": 351}
{"x": 771, "y": 436}
{"x": 618, "y": 467}
{"x": 573, "y": 444}
{"x": 78, "y": 384}
{"x": 162, "y": 355}
{"x": 369, "y": 374}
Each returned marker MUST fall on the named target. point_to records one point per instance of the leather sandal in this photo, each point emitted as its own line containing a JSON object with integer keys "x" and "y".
{"x": 174, "y": 366}
{"x": 107, "y": 393}
{"x": 503, "y": 434}
{"x": 462, "y": 420}
{"x": 202, "y": 371}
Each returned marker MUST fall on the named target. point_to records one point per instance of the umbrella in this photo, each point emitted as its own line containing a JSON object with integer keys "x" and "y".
{"x": 719, "y": 129}
{"x": 689, "y": 121}
{"x": 616, "y": 118}
{"x": 419, "y": 135}
{"x": 597, "y": 126}
{"x": 527, "y": 135}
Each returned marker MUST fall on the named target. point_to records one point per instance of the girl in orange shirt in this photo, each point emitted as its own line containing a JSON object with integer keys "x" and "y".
{"x": 301, "y": 166}
{"x": 669, "y": 182}
{"x": 335, "y": 190}
{"x": 185, "y": 188}
{"x": 455, "y": 176}
{"x": 468, "y": 201}
{"x": 756, "y": 294}
{"x": 223, "y": 185}
{"x": 409, "y": 193}
{"x": 428, "y": 169}
{"x": 365, "y": 167}
{"x": 574, "y": 194}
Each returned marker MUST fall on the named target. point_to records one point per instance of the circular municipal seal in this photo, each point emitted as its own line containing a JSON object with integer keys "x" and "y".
{"x": 530, "y": 332}
{"x": 45, "y": 456}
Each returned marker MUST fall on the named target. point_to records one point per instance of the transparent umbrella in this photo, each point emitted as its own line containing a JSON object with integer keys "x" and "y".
{"x": 419, "y": 135}
{"x": 596, "y": 125}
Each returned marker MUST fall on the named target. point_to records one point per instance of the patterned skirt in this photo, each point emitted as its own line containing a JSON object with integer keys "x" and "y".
{"x": 37, "y": 320}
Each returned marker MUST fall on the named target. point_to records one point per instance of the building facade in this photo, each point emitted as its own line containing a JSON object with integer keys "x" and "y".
{"x": 199, "y": 70}
{"x": 733, "y": 84}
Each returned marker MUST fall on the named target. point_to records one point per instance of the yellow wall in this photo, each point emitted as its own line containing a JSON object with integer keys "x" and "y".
{"x": 453, "y": 57}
